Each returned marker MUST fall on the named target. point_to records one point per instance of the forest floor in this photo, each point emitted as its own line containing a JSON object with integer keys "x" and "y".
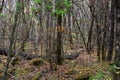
{"x": 82, "y": 68}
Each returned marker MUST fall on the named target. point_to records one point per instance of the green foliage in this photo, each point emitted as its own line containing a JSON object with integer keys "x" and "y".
{"x": 99, "y": 76}
{"x": 19, "y": 4}
{"x": 33, "y": 9}
{"x": 48, "y": 6}
{"x": 60, "y": 12}
{"x": 36, "y": 9}
{"x": 67, "y": 4}
{"x": 111, "y": 67}
{"x": 114, "y": 68}
{"x": 2, "y": 15}
{"x": 37, "y": 1}
{"x": 62, "y": 7}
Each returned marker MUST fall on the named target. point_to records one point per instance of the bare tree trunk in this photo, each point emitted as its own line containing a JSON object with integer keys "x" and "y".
{"x": 70, "y": 36}
{"x": 59, "y": 40}
{"x": 11, "y": 42}
{"x": 117, "y": 49}
{"x": 104, "y": 38}
{"x": 98, "y": 42}
{"x": 89, "y": 47}
{"x": 112, "y": 27}
{"x": 117, "y": 40}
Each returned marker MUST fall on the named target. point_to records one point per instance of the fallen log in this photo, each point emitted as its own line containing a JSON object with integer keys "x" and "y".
{"x": 69, "y": 56}
{"x": 29, "y": 56}
{"x": 20, "y": 54}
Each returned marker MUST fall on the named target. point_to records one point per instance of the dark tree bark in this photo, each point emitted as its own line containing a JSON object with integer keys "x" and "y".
{"x": 59, "y": 40}
{"x": 89, "y": 47}
{"x": 104, "y": 45}
{"x": 117, "y": 49}
{"x": 104, "y": 38}
{"x": 98, "y": 32}
{"x": 112, "y": 27}
{"x": 98, "y": 43}
{"x": 116, "y": 7}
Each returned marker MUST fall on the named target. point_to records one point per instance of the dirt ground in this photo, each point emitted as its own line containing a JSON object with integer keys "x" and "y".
{"x": 84, "y": 66}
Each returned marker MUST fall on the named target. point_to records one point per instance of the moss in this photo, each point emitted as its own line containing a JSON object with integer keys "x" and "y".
{"x": 37, "y": 76}
{"x": 24, "y": 71}
{"x": 36, "y": 62}
{"x": 82, "y": 78}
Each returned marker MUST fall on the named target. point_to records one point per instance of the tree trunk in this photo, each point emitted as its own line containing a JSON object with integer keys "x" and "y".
{"x": 59, "y": 40}
{"x": 89, "y": 47}
{"x": 104, "y": 39}
{"x": 117, "y": 46}
{"x": 111, "y": 38}
{"x": 11, "y": 42}
{"x": 117, "y": 49}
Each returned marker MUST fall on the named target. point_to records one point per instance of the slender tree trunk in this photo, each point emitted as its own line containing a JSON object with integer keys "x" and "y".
{"x": 69, "y": 26}
{"x": 59, "y": 40}
{"x": 112, "y": 27}
{"x": 117, "y": 49}
{"x": 98, "y": 43}
{"x": 11, "y": 43}
{"x": 89, "y": 47}
{"x": 104, "y": 39}
{"x": 98, "y": 31}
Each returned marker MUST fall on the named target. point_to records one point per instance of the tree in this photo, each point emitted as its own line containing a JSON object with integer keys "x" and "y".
{"x": 112, "y": 28}
{"x": 117, "y": 34}
{"x": 11, "y": 41}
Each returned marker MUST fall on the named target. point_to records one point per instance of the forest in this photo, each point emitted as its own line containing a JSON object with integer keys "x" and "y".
{"x": 59, "y": 39}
